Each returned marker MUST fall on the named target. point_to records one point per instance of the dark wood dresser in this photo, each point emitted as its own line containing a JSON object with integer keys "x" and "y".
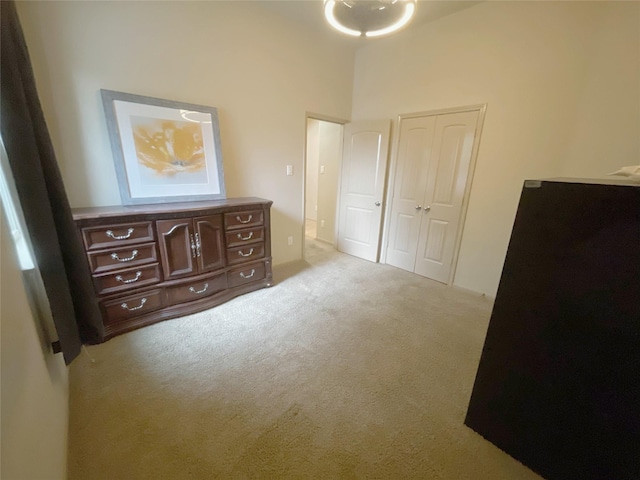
{"x": 155, "y": 262}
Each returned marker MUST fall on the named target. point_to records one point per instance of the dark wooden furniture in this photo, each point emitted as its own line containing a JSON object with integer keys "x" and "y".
{"x": 558, "y": 385}
{"x": 154, "y": 262}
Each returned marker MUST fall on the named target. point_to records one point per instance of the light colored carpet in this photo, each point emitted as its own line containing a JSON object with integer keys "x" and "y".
{"x": 343, "y": 369}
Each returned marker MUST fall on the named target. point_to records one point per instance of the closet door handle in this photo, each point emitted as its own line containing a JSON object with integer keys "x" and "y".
{"x": 427, "y": 208}
{"x": 418, "y": 207}
{"x": 377, "y": 204}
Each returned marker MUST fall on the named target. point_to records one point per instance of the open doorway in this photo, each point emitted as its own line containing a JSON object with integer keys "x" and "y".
{"x": 323, "y": 158}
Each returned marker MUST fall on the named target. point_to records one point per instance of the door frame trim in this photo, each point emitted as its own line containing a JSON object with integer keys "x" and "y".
{"x": 481, "y": 109}
{"x": 323, "y": 118}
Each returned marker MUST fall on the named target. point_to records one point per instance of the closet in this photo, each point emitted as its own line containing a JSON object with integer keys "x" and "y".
{"x": 432, "y": 177}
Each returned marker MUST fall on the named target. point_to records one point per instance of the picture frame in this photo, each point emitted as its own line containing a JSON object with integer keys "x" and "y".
{"x": 164, "y": 151}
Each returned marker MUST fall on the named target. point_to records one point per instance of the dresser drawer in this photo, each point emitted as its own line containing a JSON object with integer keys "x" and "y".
{"x": 117, "y": 235}
{"x": 246, "y": 253}
{"x": 129, "y": 306}
{"x": 195, "y": 289}
{"x": 116, "y": 258}
{"x": 245, "y": 274}
{"x": 245, "y": 236}
{"x": 126, "y": 279}
{"x": 237, "y": 220}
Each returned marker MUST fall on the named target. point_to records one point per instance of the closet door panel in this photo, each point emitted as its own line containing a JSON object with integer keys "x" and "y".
{"x": 442, "y": 205}
{"x": 412, "y": 169}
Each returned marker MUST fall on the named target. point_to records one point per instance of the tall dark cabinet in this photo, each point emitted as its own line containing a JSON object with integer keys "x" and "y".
{"x": 558, "y": 384}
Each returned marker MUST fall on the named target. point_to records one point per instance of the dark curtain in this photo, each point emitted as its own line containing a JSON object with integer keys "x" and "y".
{"x": 56, "y": 244}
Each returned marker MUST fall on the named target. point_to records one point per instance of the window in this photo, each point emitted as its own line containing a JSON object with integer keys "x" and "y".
{"x": 13, "y": 212}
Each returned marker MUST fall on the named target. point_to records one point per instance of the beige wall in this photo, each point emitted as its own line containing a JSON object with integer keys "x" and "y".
{"x": 262, "y": 72}
{"x": 561, "y": 82}
{"x": 606, "y": 128}
{"x": 34, "y": 387}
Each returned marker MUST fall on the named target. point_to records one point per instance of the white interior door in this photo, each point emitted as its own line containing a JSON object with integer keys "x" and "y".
{"x": 410, "y": 183}
{"x": 442, "y": 206}
{"x": 364, "y": 167}
{"x": 432, "y": 167}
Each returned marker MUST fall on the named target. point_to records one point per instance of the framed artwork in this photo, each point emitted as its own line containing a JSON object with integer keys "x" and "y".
{"x": 164, "y": 151}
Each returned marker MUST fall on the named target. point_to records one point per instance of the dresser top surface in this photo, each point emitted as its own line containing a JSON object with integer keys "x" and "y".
{"x": 124, "y": 210}
{"x": 615, "y": 181}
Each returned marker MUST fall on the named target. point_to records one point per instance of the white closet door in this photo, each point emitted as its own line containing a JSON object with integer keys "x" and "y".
{"x": 445, "y": 189}
{"x": 432, "y": 167}
{"x": 364, "y": 169}
{"x": 413, "y": 164}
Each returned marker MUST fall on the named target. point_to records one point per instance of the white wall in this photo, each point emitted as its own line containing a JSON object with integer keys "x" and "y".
{"x": 561, "y": 82}
{"x": 261, "y": 71}
{"x": 35, "y": 390}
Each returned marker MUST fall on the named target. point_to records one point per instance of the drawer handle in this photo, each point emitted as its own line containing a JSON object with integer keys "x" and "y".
{"x": 204, "y": 289}
{"x": 109, "y": 233}
{"x": 245, "y": 254}
{"x": 253, "y": 271}
{"x": 244, "y": 221}
{"x": 134, "y": 254}
{"x": 131, "y": 280}
{"x": 131, "y": 309}
{"x": 245, "y": 238}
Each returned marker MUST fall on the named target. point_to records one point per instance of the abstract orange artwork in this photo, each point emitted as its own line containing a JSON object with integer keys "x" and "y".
{"x": 169, "y": 147}
{"x": 163, "y": 150}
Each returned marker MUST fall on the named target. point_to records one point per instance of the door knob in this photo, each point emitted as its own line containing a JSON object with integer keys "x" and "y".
{"x": 418, "y": 207}
{"x": 377, "y": 204}
{"x": 427, "y": 208}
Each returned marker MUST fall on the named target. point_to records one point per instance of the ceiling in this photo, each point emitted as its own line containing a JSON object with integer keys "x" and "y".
{"x": 310, "y": 14}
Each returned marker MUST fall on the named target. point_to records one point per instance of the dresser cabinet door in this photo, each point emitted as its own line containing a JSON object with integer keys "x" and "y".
{"x": 177, "y": 246}
{"x": 209, "y": 236}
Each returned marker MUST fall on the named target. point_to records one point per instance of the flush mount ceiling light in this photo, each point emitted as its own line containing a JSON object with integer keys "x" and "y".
{"x": 368, "y": 18}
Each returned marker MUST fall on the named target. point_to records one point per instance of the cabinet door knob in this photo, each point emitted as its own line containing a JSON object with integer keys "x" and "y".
{"x": 377, "y": 204}
{"x": 193, "y": 246}
{"x": 418, "y": 207}
{"x": 198, "y": 245}
{"x": 427, "y": 208}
